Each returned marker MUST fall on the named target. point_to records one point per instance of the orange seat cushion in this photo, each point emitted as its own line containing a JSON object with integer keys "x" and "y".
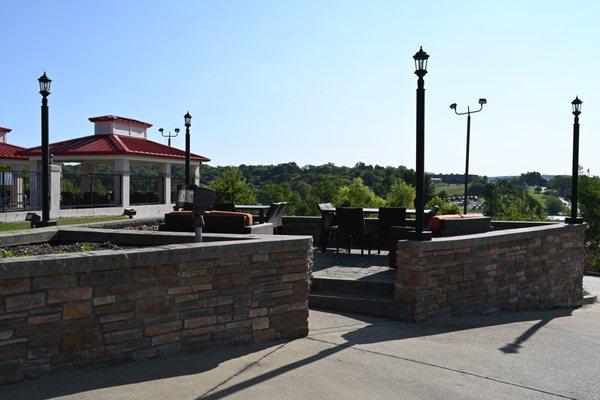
{"x": 247, "y": 217}
{"x": 435, "y": 223}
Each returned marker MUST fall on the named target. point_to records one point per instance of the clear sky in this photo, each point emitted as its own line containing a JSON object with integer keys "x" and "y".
{"x": 314, "y": 81}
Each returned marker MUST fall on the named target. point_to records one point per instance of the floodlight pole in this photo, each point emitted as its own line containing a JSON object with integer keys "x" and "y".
{"x": 468, "y": 114}
{"x": 169, "y": 135}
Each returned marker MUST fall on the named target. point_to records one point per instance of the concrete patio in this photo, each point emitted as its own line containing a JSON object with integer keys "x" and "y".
{"x": 530, "y": 355}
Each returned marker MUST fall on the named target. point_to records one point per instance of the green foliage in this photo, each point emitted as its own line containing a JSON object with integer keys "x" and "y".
{"x": 589, "y": 202}
{"x": 446, "y": 207}
{"x": 231, "y": 187}
{"x": 276, "y": 192}
{"x": 476, "y": 187}
{"x": 357, "y": 194}
{"x": 562, "y": 185}
{"x": 532, "y": 179}
{"x": 554, "y": 206}
{"x": 86, "y": 247}
{"x": 401, "y": 194}
{"x": 4, "y": 253}
{"x": 504, "y": 201}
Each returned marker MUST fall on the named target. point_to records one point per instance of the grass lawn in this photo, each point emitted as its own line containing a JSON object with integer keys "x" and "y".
{"x": 541, "y": 198}
{"x": 451, "y": 189}
{"x": 11, "y": 226}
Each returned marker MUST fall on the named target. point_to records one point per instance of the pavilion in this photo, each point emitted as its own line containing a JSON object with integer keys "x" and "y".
{"x": 119, "y": 167}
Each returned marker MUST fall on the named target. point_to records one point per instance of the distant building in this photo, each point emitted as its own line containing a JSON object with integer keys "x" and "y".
{"x": 118, "y": 143}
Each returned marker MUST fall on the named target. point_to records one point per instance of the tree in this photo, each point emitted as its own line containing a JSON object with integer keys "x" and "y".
{"x": 554, "y": 206}
{"x": 562, "y": 184}
{"x": 357, "y": 194}
{"x": 231, "y": 187}
{"x": 589, "y": 201}
{"x": 277, "y": 192}
{"x": 532, "y": 179}
{"x": 503, "y": 201}
{"x": 401, "y": 194}
{"x": 446, "y": 207}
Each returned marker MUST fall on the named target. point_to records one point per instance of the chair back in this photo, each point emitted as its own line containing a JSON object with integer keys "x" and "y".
{"x": 434, "y": 210}
{"x": 328, "y": 218}
{"x": 279, "y": 214}
{"x": 224, "y": 206}
{"x": 271, "y": 216}
{"x": 390, "y": 216}
{"x": 351, "y": 221}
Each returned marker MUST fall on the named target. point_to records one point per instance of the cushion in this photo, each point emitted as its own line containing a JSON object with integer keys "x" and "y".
{"x": 435, "y": 223}
{"x": 247, "y": 217}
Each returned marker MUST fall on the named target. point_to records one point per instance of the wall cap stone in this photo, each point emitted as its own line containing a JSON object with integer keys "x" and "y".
{"x": 177, "y": 247}
{"x": 492, "y": 237}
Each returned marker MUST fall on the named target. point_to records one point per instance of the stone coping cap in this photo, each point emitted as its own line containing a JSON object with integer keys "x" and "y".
{"x": 221, "y": 246}
{"x": 492, "y": 237}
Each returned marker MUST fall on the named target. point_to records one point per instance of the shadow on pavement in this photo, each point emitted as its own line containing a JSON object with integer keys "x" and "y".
{"x": 386, "y": 331}
{"x": 377, "y": 330}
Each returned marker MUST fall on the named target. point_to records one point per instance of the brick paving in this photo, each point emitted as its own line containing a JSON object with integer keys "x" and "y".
{"x": 352, "y": 266}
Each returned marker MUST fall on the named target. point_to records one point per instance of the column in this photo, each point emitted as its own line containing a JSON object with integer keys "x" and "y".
{"x": 165, "y": 170}
{"x": 35, "y": 185}
{"x": 55, "y": 175}
{"x": 86, "y": 180}
{"x": 122, "y": 173}
{"x": 196, "y": 173}
{"x": 18, "y": 185}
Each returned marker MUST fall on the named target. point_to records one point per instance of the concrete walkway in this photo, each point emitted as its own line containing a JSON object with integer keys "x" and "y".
{"x": 532, "y": 355}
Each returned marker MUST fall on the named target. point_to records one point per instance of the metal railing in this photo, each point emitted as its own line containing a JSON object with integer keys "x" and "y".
{"x": 146, "y": 189}
{"x": 19, "y": 191}
{"x": 90, "y": 190}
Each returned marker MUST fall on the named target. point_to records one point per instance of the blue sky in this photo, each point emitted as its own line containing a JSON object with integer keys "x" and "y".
{"x": 314, "y": 81}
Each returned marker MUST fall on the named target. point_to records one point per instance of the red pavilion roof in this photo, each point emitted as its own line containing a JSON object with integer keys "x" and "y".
{"x": 113, "y": 145}
{"x": 12, "y": 152}
{"x": 119, "y": 119}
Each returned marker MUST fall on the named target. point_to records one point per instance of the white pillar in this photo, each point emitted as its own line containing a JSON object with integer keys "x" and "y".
{"x": 86, "y": 179}
{"x": 18, "y": 185}
{"x": 196, "y": 173}
{"x": 165, "y": 170}
{"x": 55, "y": 175}
{"x": 121, "y": 168}
{"x": 35, "y": 185}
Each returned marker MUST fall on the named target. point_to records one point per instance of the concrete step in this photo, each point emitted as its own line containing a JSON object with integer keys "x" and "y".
{"x": 384, "y": 288}
{"x": 367, "y": 304}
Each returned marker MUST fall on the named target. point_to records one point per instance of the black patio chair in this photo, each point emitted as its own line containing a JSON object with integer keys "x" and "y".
{"x": 351, "y": 226}
{"x": 224, "y": 206}
{"x": 278, "y": 221}
{"x": 272, "y": 216}
{"x": 388, "y": 217}
{"x": 328, "y": 225}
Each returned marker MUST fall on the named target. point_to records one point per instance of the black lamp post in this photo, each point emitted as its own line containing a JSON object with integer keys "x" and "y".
{"x": 468, "y": 114}
{"x": 45, "y": 92}
{"x": 420, "y": 70}
{"x": 187, "y": 118}
{"x": 575, "y": 171}
{"x": 169, "y": 135}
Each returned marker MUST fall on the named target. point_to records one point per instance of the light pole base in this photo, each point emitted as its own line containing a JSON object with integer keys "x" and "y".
{"x": 573, "y": 221}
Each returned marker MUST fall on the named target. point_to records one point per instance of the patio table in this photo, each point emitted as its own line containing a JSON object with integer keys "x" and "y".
{"x": 261, "y": 208}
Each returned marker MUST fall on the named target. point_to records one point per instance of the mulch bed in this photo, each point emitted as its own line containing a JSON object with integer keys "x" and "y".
{"x": 51, "y": 248}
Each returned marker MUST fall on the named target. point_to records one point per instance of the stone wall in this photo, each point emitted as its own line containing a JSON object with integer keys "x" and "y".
{"x": 517, "y": 269}
{"x": 71, "y": 310}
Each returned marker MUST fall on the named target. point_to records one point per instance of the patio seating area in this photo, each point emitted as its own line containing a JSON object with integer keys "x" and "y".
{"x": 229, "y": 218}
